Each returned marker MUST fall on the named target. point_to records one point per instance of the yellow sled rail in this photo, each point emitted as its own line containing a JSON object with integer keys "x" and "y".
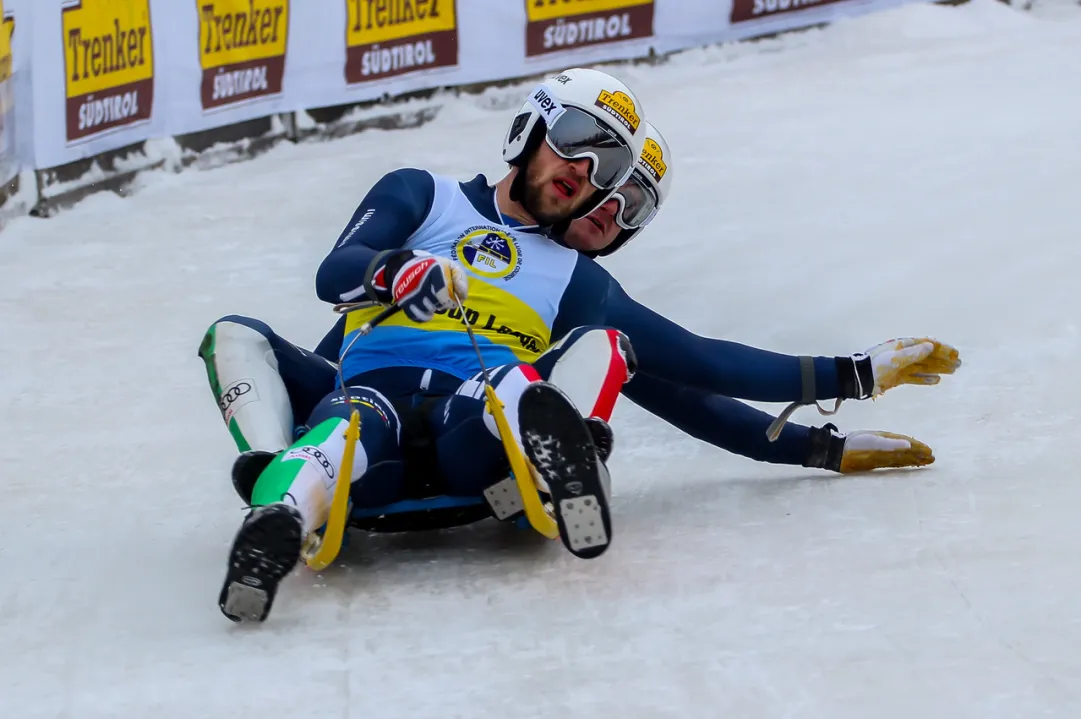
{"x": 539, "y": 517}
{"x": 326, "y": 550}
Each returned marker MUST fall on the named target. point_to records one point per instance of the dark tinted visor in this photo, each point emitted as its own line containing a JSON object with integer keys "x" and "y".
{"x": 576, "y": 134}
{"x": 637, "y": 202}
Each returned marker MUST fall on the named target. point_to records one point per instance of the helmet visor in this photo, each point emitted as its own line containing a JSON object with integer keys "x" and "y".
{"x": 637, "y": 203}
{"x": 576, "y": 134}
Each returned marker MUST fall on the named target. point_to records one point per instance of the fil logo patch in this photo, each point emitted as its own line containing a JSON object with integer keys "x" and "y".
{"x": 652, "y": 159}
{"x": 489, "y": 252}
{"x": 620, "y": 106}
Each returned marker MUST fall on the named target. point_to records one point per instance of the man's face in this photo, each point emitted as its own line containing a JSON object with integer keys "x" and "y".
{"x": 554, "y": 187}
{"x": 595, "y": 231}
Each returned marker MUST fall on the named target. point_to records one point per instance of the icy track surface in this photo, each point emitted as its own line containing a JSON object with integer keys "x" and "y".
{"x": 911, "y": 172}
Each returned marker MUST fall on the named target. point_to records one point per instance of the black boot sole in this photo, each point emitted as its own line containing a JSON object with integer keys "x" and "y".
{"x": 265, "y": 550}
{"x": 560, "y": 447}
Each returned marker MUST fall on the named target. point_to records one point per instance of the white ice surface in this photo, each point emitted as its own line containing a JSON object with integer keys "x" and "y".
{"x": 912, "y": 172}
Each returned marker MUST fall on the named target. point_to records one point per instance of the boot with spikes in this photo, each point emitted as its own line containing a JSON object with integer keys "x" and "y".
{"x": 266, "y": 548}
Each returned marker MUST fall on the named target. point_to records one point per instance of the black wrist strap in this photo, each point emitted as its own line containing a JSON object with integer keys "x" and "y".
{"x": 826, "y": 449}
{"x": 391, "y": 261}
{"x": 855, "y": 377}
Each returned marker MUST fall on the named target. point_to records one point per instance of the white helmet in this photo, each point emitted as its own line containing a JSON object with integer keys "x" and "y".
{"x": 642, "y": 195}
{"x": 580, "y": 113}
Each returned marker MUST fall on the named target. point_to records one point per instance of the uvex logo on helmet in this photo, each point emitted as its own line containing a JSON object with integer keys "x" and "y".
{"x": 652, "y": 159}
{"x": 545, "y": 104}
{"x": 620, "y": 106}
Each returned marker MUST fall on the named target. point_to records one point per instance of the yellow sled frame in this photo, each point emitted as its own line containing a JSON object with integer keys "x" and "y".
{"x": 539, "y": 517}
{"x": 326, "y": 549}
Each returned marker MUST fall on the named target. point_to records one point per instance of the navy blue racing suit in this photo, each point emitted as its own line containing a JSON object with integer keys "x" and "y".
{"x": 690, "y": 381}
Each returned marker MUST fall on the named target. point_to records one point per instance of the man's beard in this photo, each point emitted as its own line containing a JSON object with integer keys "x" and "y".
{"x": 532, "y": 199}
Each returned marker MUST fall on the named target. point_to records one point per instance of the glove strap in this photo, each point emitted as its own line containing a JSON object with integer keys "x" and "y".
{"x": 827, "y": 448}
{"x": 855, "y": 380}
{"x": 855, "y": 376}
{"x": 810, "y": 394}
{"x": 390, "y": 262}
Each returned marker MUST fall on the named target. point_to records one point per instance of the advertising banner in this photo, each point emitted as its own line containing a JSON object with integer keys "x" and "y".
{"x": 387, "y": 38}
{"x": 557, "y": 25}
{"x": 108, "y": 66}
{"x": 104, "y": 74}
{"x": 242, "y": 50}
{"x": 93, "y": 76}
{"x": 9, "y": 156}
{"x": 744, "y": 10}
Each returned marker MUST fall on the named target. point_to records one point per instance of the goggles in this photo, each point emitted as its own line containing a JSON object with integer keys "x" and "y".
{"x": 574, "y": 134}
{"x": 637, "y": 203}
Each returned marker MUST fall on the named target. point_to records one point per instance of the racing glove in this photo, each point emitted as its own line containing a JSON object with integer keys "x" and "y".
{"x": 867, "y": 375}
{"x": 864, "y": 450}
{"x": 908, "y": 360}
{"x": 419, "y": 282}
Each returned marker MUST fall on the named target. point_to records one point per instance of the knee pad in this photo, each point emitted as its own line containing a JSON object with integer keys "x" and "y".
{"x": 243, "y": 375}
{"x": 592, "y": 366}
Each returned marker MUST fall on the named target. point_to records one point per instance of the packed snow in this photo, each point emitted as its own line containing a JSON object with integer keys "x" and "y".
{"x": 910, "y": 172}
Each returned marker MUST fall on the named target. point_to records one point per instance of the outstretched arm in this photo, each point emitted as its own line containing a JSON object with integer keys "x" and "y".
{"x": 740, "y": 429}
{"x": 721, "y": 421}
{"x": 668, "y": 351}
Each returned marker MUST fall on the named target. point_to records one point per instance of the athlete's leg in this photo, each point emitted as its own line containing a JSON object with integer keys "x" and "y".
{"x": 261, "y": 381}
